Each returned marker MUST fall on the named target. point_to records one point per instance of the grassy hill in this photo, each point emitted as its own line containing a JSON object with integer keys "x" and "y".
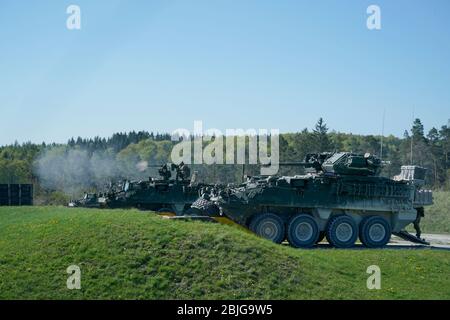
{"x": 136, "y": 255}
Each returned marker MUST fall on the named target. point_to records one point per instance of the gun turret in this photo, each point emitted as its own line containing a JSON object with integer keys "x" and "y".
{"x": 346, "y": 163}
{"x": 343, "y": 163}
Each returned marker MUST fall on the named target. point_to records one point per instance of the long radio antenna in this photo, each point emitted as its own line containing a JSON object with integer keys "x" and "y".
{"x": 382, "y": 135}
{"x": 412, "y": 138}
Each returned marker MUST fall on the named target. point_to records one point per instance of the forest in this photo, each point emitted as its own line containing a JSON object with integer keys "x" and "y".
{"x": 63, "y": 171}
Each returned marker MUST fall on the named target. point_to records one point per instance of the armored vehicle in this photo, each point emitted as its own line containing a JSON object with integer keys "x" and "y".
{"x": 162, "y": 194}
{"x": 341, "y": 197}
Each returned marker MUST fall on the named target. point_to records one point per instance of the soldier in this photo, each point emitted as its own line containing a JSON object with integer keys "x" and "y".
{"x": 420, "y": 214}
{"x": 165, "y": 173}
{"x": 183, "y": 171}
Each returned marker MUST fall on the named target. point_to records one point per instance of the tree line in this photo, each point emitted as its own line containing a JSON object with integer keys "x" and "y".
{"x": 124, "y": 152}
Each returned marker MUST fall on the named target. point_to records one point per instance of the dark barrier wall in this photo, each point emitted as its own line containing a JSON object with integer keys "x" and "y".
{"x": 16, "y": 194}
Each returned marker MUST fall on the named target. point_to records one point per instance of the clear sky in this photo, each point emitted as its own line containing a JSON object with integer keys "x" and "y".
{"x": 160, "y": 65}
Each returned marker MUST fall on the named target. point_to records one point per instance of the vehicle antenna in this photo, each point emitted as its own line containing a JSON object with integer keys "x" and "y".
{"x": 382, "y": 135}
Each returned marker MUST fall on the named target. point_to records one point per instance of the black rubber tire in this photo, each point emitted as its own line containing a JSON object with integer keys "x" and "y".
{"x": 364, "y": 232}
{"x": 270, "y": 220}
{"x": 332, "y": 229}
{"x": 292, "y": 234}
{"x": 207, "y": 207}
{"x": 321, "y": 236}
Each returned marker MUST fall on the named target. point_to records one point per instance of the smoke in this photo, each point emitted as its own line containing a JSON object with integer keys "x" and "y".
{"x": 141, "y": 166}
{"x": 74, "y": 171}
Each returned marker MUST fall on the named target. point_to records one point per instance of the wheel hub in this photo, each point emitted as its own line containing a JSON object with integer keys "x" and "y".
{"x": 269, "y": 230}
{"x": 304, "y": 231}
{"x": 344, "y": 232}
{"x": 377, "y": 232}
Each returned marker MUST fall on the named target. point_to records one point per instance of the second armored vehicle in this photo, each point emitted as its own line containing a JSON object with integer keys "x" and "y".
{"x": 162, "y": 194}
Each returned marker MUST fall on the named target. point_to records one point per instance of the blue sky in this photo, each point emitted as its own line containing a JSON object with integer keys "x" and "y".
{"x": 160, "y": 65}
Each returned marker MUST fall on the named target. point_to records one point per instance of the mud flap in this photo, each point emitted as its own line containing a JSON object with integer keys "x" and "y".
{"x": 409, "y": 237}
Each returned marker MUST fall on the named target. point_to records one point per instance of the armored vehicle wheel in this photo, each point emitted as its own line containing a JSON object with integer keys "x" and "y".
{"x": 375, "y": 232}
{"x": 321, "y": 236}
{"x": 269, "y": 226}
{"x": 342, "y": 232}
{"x": 303, "y": 231}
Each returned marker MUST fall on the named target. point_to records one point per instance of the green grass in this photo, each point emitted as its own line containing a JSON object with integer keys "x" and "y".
{"x": 135, "y": 255}
{"x": 437, "y": 216}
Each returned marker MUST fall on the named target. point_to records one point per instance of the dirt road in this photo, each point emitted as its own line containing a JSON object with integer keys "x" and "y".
{"x": 437, "y": 241}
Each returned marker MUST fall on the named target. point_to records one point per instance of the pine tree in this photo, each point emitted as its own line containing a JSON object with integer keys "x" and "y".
{"x": 320, "y": 137}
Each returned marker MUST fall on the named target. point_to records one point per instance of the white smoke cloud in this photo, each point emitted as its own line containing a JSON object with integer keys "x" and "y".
{"x": 74, "y": 171}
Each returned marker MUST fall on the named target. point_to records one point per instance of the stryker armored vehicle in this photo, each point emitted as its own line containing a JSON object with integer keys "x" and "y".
{"x": 341, "y": 197}
{"x": 162, "y": 194}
